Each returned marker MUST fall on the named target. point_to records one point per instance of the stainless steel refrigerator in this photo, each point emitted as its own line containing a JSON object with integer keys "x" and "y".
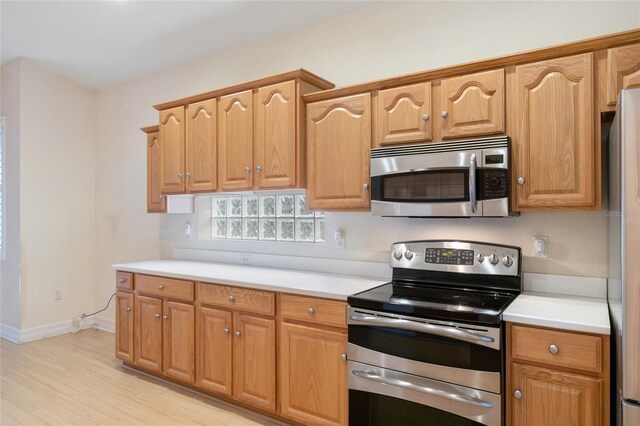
{"x": 624, "y": 255}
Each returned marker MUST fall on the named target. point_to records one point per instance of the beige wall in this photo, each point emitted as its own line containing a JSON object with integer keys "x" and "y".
{"x": 10, "y": 267}
{"x": 56, "y": 196}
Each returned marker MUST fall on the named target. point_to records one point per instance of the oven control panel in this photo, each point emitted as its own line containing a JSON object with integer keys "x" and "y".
{"x": 456, "y": 256}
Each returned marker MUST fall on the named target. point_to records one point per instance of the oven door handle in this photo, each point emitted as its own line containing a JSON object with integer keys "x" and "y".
{"x": 473, "y": 198}
{"x": 433, "y": 390}
{"x": 454, "y": 333}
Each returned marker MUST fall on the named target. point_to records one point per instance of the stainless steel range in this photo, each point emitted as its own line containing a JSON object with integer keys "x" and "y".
{"x": 428, "y": 347}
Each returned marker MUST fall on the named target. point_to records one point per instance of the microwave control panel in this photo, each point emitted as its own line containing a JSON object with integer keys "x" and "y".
{"x": 495, "y": 183}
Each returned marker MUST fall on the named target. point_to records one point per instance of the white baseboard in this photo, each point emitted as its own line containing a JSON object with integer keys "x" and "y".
{"x": 9, "y": 333}
{"x": 106, "y": 324}
{"x": 35, "y": 333}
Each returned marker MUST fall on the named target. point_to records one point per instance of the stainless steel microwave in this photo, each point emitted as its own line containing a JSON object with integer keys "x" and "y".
{"x": 467, "y": 178}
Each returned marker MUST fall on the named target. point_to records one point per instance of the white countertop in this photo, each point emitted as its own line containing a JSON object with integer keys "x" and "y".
{"x": 575, "y": 313}
{"x": 317, "y": 284}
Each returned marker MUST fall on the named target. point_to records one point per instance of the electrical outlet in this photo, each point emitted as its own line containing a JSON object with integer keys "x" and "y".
{"x": 245, "y": 259}
{"x": 339, "y": 237}
{"x": 58, "y": 294}
{"x": 541, "y": 246}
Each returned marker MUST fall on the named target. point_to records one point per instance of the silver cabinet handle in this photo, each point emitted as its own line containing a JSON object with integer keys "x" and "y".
{"x": 554, "y": 349}
{"x": 425, "y": 117}
{"x": 156, "y": 316}
{"x": 520, "y": 181}
{"x": 188, "y": 175}
{"x": 310, "y": 311}
{"x": 517, "y": 394}
{"x": 365, "y": 186}
{"x": 247, "y": 170}
{"x": 258, "y": 169}
{"x": 160, "y": 287}
{"x": 237, "y": 334}
{"x": 472, "y": 184}
{"x": 161, "y": 195}
{"x": 226, "y": 331}
{"x": 440, "y": 390}
{"x": 129, "y": 309}
{"x": 121, "y": 280}
{"x": 454, "y": 333}
{"x": 444, "y": 114}
{"x": 232, "y": 299}
{"x": 165, "y": 317}
{"x": 179, "y": 175}
{"x": 343, "y": 357}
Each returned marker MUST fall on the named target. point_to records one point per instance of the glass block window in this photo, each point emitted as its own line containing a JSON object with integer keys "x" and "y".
{"x": 281, "y": 217}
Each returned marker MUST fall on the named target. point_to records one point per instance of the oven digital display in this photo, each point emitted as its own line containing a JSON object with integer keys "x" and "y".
{"x": 445, "y": 256}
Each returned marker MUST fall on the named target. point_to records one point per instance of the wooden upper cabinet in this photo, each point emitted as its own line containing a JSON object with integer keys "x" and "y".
{"x": 201, "y": 147}
{"x": 403, "y": 114}
{"x": 623, "y": 70}
{"x": 276, "y": 145}
{"x": 179, "y": 341}
{"x": 172, "y": 150}
{"x": 472, "y": 105}
{"x": 553, "y": 134}
{"x": 235, "y": 143}
{"x": 124, "y": 326}
{"x": 255, "y": 361}
{"x": 338, "y": 143}
{"x": 550, "y": 397}
{"x": 156, "y": 203}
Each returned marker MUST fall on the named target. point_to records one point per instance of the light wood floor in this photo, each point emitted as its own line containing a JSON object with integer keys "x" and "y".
{"x": 74, "y": 379}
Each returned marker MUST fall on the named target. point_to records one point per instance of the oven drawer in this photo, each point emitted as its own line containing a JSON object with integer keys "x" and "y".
{"x": 315, "y": 310}
{"x": 165, "y": 287}
{"x": 557, "y": 348}
{"x": 241, "y": 299}
{"x": 124, "y": 281}
{"x": 377, "y": 395}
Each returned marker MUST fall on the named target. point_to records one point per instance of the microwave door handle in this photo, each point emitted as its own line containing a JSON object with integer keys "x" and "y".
{"x": 472, "y": 184}
{"x": 430, "y": 390}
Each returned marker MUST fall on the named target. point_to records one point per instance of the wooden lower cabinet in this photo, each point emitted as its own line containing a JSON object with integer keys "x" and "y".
{"x": 214, "y": 350}
{"x": 164, "y": 336}
{"x": 555, "y": 398}
{"x": 254, "y": 361}
{"x": 124, "y": 326}
{"x": 313, "y": 375}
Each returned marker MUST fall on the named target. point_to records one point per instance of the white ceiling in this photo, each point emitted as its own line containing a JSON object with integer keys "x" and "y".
{"x": 103, "y": 43}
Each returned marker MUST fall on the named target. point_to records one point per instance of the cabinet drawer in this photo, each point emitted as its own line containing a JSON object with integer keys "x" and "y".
{"x": 124, "y": 280}
{"x": 242, "y": 299}
{"x": 166, "y": 287}
{"x": 312, "y": 309}
{"x": 578, "y": 351}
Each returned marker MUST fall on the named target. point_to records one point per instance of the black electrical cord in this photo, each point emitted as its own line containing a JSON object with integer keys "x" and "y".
{"x": 83, "y": 316}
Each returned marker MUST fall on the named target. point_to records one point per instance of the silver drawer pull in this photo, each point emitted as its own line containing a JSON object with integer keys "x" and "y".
{"x": 454, "y": 333}
{"x": 129, "y": 309}
{"x": 232, "y": 299}
{"x": 226, "y": 331}
{"x": 165, "y": 317}
{"x": 310, "y": 311}
{"x": 156, "y": 316}
{"x": 553, "y": 349}
{"x": 441, "y": 393}
{"x": 121, "y": 280}
{"x": 517, "y": 394}
{"x": 160, "y": 287}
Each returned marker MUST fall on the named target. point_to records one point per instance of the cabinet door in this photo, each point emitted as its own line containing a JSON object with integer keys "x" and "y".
{"x": 201, "y": 147}
{"x": 472, "y": 105}
{"x": 156, "y": 203}
{"x": 254, "y": 368}
{"x": 148, "y": 333}
{"x": 214, "y": 351}
{"x": 276, "y": 144}
{"x": 555, "y": 158}
{"x": 403, "y": 114}
{"x": 179, "y": 340}
{"x": 554, "y": 398}
{"x": 172, "y": 150}
{"x": 235, "y": 146}
{"x": 339, "y": 141}
{"x": 313, "y": 376}
{"x": 124, "y": 326}
{"x": 623, "y": 70}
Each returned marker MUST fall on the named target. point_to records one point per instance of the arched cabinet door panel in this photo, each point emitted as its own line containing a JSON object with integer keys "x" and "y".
{"x": 403, "y": 115}
{"x": 235, "y": 143}
{"x": 172, "y": 150}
